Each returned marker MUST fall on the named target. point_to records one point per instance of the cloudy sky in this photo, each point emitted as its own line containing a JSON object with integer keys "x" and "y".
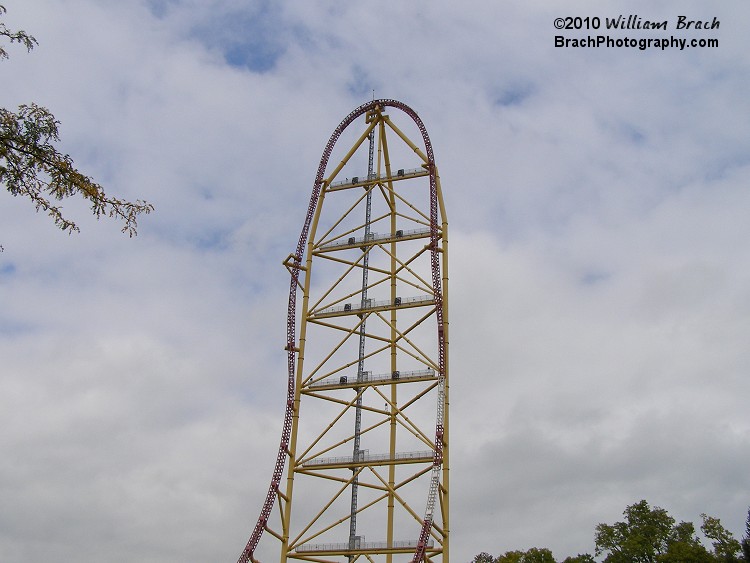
{"x": 600, "y": 276}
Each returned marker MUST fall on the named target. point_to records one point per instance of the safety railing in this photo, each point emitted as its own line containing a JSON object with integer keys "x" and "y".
{"x": 374, "y": 238}
{"x": 364, "y": 456}
{"x": 369, "y": 378}
{"x": 371, "y": 304}
{"x": 361, "y": 546}
{"x": 359, "y": 180}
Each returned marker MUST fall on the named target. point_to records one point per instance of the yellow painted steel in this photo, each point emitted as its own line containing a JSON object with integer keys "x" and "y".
{"x": 401, "y": 337}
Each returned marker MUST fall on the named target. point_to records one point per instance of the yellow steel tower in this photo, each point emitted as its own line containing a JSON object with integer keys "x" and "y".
{"x": 362, "y": 470}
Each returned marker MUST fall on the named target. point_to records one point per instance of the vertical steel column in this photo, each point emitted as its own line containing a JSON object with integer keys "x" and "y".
{"x": 362, "y": 341}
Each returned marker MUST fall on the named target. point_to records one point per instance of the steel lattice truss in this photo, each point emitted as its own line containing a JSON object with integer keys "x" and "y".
{"x": 364, "y": 446}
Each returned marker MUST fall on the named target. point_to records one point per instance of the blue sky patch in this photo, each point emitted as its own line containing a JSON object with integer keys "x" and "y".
{"x": 594, "y": 278}
{"x": 632, "y": 133}
{"x": 159, "y": 7}
{"x": 253, "y": 38}
{"x": 7, "y": 269}
{"x": 513, "y": 96}
{"x": 360, "y": 85}
{"x": 260, "y": 57}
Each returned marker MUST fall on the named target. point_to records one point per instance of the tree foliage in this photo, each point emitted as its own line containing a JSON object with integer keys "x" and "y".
{"x": 746, "y": 539}
{"x": 14, "y": 37}
{"x": 647, "y": 535}
{"x": 483, "y": 557}
{"x": 725, "y": 546}
{"x": 533, "y": 555}
{"x": 32, "y": 166}
{"x": 510, "y": 557}
{"x": 537, "y": 555}
{"x": 640, "y": 538}
{"x": 684, "y": 546}
{"x": 580, "y": 558}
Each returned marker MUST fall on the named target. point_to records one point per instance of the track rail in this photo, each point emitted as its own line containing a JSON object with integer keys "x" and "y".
{"x": 294, "y": 264}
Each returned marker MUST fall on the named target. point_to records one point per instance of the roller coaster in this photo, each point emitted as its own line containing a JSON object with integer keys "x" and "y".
{"x": 362, "y": 469}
